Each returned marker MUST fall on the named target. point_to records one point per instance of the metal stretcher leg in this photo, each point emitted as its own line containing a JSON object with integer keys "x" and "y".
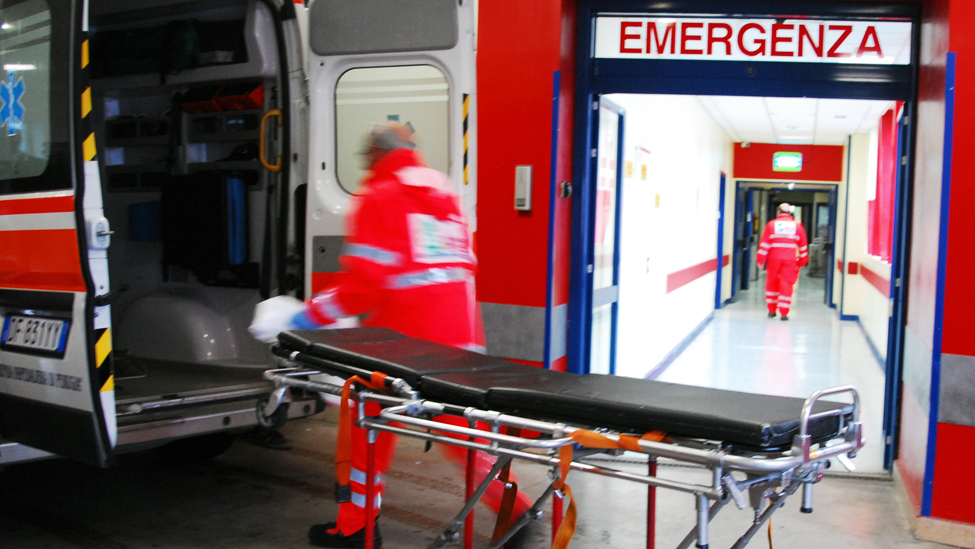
{"x": 469, "y": 492}
{"x": 557, "y": 513}
{"x": 652, "y": 505}
{"x": 709, "y": 514}
{"x": 533, "y": 513}
{"x": 370, "y": 488}
{"x": 450, "y": 534}
{"x": 775, "y": 501}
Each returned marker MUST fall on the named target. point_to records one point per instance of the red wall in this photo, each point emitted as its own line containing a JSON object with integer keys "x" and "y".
{"x": 959, "y": 290}
{"x": 954, "y": 443}
{"x": 819, "y": 162}
{"x": 515, "y": 128}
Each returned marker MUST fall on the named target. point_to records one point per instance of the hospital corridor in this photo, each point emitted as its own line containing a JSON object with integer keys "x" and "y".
{"x": 741, "y": 349}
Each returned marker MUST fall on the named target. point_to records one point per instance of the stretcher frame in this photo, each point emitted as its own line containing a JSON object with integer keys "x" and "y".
{"x": 770, "y": 477}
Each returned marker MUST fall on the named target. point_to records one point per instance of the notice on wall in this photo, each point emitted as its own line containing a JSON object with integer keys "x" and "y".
{"x": 781, "y": 40}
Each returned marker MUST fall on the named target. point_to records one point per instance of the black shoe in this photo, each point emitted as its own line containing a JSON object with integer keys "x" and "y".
{"x": 319, "y": 535}
{"x": 771, "y": 315}
{"x": 784, "y": 317}
{"x": 273, "y": 440}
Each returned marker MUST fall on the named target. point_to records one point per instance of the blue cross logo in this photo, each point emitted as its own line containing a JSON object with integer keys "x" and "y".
{"x": 11, "y": 109}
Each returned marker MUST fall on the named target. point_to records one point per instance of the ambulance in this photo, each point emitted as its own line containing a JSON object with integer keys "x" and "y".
{"x": 165, "y": 165}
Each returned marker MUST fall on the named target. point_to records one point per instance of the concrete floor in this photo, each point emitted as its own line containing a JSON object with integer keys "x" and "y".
{"x": 253, "y": 497}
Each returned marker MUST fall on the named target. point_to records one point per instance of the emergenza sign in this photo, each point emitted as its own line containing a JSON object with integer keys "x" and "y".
{"x": 788, "y": 40}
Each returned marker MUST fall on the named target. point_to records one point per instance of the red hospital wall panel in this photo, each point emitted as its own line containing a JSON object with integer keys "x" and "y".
{"x": 925, "y": 219}
{"x": 563, "y": 206}
{"x": 953, "y": 482}
{"x": 959, "y": 290}
{"x": 519, "y": 49}
{"x": 819, "y": 162}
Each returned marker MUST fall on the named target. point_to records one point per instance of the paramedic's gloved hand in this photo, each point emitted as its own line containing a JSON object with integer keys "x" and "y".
{"x": 279, "y": 314}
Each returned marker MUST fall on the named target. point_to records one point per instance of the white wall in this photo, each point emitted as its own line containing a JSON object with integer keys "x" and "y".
{"x": 669, "y": 222}
{"x": 860, "y": 297}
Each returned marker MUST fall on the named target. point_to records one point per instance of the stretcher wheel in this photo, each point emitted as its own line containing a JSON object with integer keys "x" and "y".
{"x": 276, "y": 420}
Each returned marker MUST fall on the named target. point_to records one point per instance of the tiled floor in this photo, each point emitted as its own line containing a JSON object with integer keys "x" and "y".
{"x": 742, "y": 349}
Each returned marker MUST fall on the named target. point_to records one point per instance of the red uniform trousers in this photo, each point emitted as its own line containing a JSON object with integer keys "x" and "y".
{"x": 780, "y": 277}
{"x": 352, "y": 515}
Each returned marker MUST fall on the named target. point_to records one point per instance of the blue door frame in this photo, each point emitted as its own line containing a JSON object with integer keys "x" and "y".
{"x": 581, "y": 284}
{"x": 720, "y": 266}
{"x": 898, "y": 281}
{"x": 595, "y": 77}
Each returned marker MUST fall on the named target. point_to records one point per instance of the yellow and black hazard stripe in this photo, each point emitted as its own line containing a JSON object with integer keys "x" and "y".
{"x": 467, "y": 105}
{"x": 103, "y": 336}
{"x": 88, "y": 146}
{"x": 103, "y": 362}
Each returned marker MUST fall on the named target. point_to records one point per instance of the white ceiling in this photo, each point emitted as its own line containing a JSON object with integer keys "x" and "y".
{"x": 789, "y": 120}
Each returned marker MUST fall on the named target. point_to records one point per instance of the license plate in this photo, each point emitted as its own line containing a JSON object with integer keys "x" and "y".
{"x": 35, "y": 333}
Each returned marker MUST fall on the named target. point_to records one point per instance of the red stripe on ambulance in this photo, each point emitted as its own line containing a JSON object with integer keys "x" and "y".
{"x": 41, "y": 260}
{"x": 53, "y": 204}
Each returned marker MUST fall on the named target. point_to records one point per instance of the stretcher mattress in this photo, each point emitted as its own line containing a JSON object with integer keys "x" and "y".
{"x": 454, "y": 376}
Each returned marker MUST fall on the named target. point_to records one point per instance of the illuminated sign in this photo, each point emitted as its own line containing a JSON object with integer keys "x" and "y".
{"x": 790, "y": 40}
{"x": 786, "y": 162}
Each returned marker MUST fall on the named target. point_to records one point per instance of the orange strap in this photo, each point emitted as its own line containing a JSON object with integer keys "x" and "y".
{"x": 508, "y": 497}
{"x": 343, "y": 453}
{"x": 588, "y": 439}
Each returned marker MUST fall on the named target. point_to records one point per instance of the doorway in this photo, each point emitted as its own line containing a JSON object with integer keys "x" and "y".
{"x": 641, "y": 68}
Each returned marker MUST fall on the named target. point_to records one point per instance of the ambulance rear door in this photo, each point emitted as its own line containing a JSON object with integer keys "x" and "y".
{"x": 373, "y": 61}
{"x": 56, "y": 384}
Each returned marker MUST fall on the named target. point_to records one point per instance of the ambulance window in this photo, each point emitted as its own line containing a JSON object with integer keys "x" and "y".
{"x": 25, "y": 87}
{"x": 415, "y": 95}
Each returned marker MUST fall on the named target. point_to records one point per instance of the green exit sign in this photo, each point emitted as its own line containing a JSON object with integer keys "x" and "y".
{"x": 786, "y": 162}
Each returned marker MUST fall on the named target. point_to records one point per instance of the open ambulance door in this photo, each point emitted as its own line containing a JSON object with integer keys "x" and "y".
{"x": 56, "y": 385}
{"x": 373, "y": 61}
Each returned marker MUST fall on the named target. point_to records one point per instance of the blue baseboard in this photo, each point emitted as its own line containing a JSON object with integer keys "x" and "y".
{"x": 854, "y": 318}
{"x": 676, "y": 351}
{"x": 873, "y": 347}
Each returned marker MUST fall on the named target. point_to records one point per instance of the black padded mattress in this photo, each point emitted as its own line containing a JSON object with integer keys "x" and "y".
{"x": 465, "y": 378}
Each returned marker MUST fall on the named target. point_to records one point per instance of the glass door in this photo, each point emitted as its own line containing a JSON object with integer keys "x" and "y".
{"x": 605, "y": 235}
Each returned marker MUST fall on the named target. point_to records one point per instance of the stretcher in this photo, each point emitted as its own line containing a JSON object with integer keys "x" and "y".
{"x": 759, "y": 449}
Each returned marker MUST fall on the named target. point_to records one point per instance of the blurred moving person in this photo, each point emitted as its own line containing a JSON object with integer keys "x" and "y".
{"x": 407, "y": 265}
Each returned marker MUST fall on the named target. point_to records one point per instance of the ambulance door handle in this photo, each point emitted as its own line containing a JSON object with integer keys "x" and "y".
{"x": 270, "y": 167}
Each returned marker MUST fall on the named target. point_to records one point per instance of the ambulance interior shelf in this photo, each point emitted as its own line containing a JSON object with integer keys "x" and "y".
{"x": 185, "y": 137}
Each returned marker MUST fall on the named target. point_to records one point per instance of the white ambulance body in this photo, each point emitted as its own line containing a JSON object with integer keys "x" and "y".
{"x": 166, "y": 165}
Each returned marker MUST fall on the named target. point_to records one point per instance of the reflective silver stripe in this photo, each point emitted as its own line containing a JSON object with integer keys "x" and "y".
{"x": 787, "y": 245}
{"x": 803, "y": 248}
{"x": 428, "y": 277}
{"x": 784, "y": 299}
{"x": 372, "y": 253}
{"x": 763, "y": 245}
{"x": 356, "y": 475}
{"x": 359, "y": 500}
{"x": 329, "y": 305}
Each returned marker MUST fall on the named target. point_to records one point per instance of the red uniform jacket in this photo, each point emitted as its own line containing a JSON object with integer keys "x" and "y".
{"x": 407, "y": 259}
{"x": 783, "y": 239}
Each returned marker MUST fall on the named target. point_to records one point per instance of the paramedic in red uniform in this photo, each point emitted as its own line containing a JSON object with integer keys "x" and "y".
{"x": 783, "y": 250}
{"x": 408, "y": 265}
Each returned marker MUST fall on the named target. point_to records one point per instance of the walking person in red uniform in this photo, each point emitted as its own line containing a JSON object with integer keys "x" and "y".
{"x": 408, "y": 266}
{"x": 782, "y": 251}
